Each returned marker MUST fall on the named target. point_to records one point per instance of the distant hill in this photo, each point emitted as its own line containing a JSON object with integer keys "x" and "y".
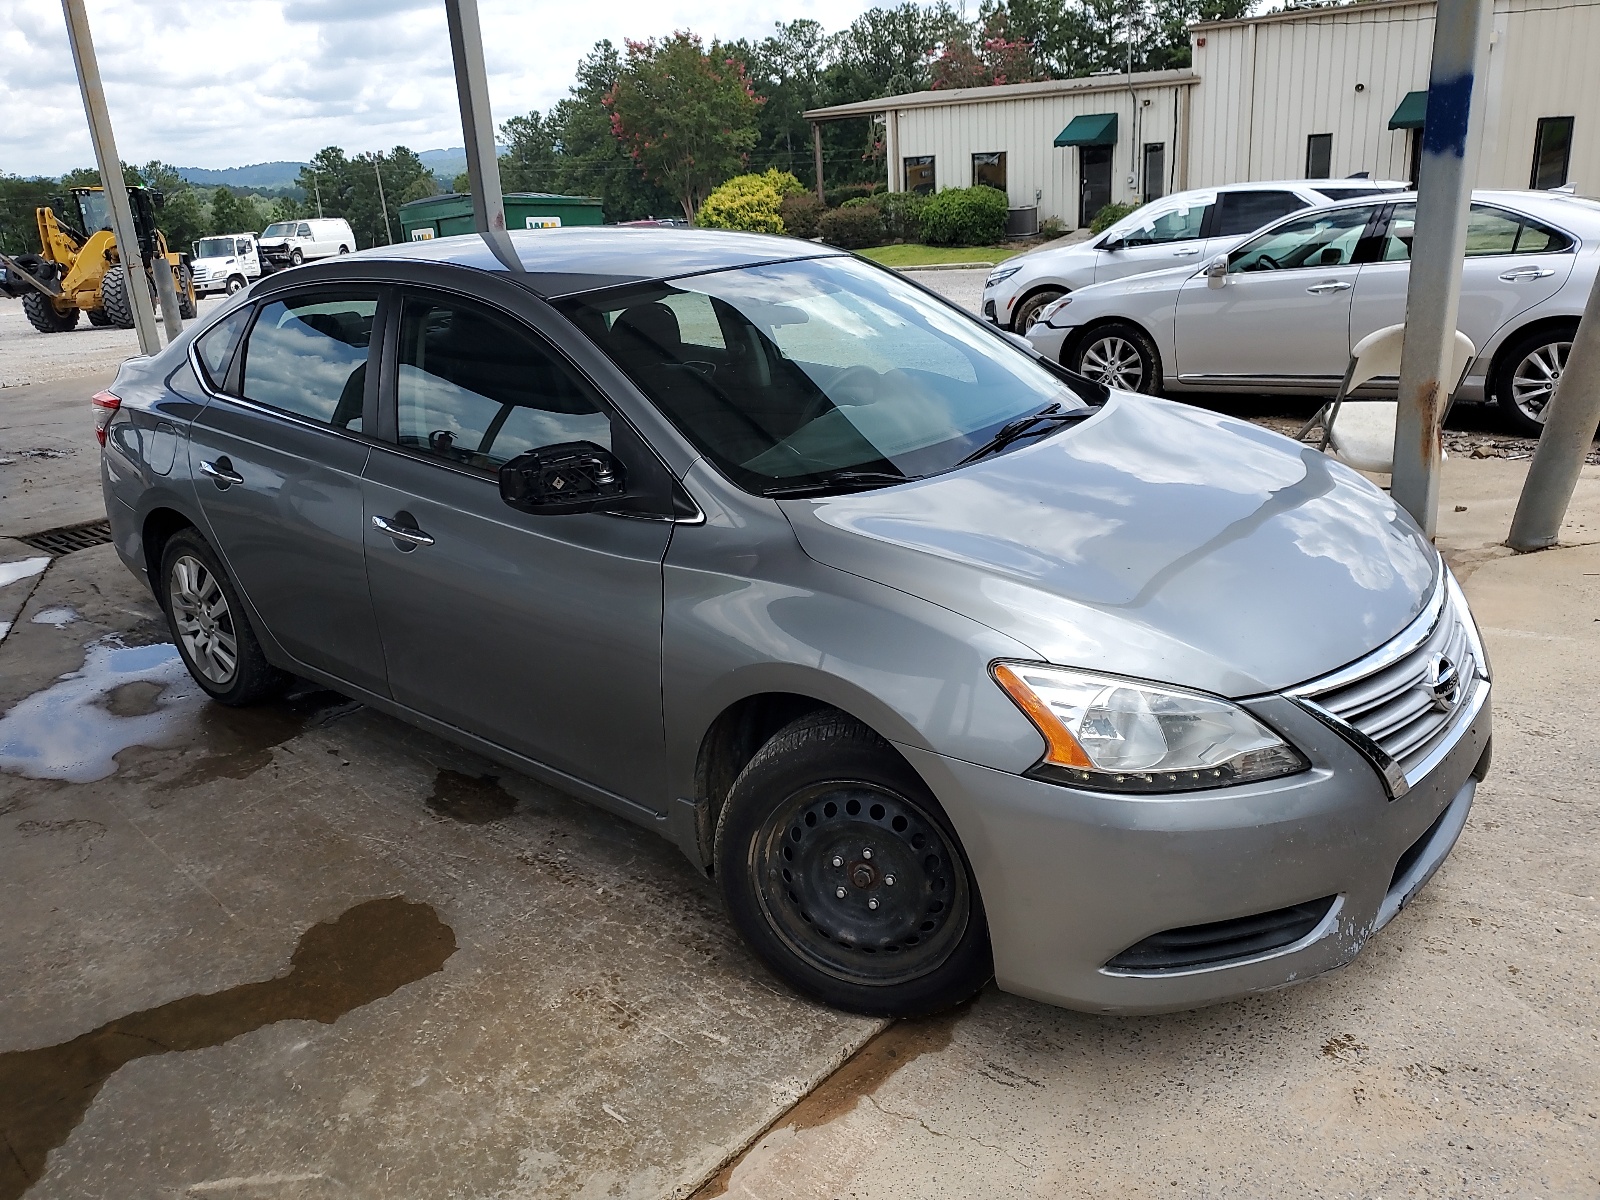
{"x": 257, "y": 175}
{"x": 447, "y": 164}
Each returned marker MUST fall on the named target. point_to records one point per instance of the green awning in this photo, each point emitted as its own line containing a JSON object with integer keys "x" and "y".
{"x": 1090, "y": 129}
{"x": 1411, "y": 114}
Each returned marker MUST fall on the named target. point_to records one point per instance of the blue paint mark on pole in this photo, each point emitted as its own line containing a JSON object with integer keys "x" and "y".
{"x": 1449, "y": 102}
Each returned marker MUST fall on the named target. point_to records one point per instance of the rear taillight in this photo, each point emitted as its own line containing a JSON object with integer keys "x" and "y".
{"x": 105, "y": 407}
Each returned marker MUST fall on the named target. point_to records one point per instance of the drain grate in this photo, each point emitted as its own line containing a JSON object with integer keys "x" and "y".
{"x": 56, "y": 542}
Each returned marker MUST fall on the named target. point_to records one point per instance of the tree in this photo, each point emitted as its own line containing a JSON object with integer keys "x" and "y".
{"x": 230, "y": 213}
{"x": 593, "y": 162}
{"x": 685, "y": 116}
{"x": 787, "y": 69}
{"x": 420, "y": 189}
{"x": 985, "y": 55}
{"x": 530, "y": 163}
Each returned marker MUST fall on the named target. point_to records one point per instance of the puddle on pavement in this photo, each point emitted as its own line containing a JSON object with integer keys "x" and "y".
{"x": 25, "y": 568}
{"x": 867, "y": 1070}
{"x": 75, "y": 728}
{"x": 473, "y": 799}
{"x": 371, "y": 951}
{"x": 60, "y": 616}
{"x": 238, "y": 742}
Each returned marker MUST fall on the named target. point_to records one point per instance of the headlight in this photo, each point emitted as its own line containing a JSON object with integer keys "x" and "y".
{"x": 1120, "y": 736}
{"x": 1003, "y": 273}
{"x": 1051, "y": 309}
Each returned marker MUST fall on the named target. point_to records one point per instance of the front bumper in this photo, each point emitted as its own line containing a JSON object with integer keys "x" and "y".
{"x": 1070, "y": 879}
{"x": 1048, "y": 340}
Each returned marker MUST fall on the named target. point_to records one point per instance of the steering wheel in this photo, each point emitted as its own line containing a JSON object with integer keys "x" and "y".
{"x": 1268, "y": 263}
{"x": 860, "y": 380}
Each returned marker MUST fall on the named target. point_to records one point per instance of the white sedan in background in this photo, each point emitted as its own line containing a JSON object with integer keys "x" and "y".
{"x": 1279, "y": 313}
{"x": 1183, "y": 227}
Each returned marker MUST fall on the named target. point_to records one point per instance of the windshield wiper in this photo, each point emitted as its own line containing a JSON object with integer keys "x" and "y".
{"x": 838, "y": 481}
{"x": 1023, "y": 427}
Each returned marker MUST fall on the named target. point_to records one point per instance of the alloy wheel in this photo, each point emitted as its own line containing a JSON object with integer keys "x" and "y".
{"x": 857, "y": 880}
{"x": 203, "y": 619}
{"x": 1534, "y": 380}
{"x": 1113, "y": 361}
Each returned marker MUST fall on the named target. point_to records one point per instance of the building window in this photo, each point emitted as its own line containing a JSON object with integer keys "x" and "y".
{"x": 989, "y": 170}
{"x": 919, "y": 174}
{"x": 1319, "y": 156}
{"x": 1552, "y": 153}
{"x": 1155, "y": 171}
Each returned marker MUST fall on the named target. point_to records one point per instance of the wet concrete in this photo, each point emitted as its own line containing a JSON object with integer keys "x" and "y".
{"x": 366, "y": 953}
{"x": 476, "y": 800}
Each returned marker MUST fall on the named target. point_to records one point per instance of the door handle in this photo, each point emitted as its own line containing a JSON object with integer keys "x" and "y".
{"x": 1328, "y": 285}
{"x": 221, "y": 472}
{"x": 401, "y": 533}
{"x": 1189, "y": 253}
{"x": 1524, "y": 274}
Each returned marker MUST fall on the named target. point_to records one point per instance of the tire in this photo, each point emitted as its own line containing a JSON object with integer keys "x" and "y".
{"x": 826, "y": 790}
{"x": 236, "y": 283}
{"x": 1032, "y": 304}
{"x": 1526, "y": 374}
{"x": 44, "y": 316}
{"x": 192, "y": 587}
{"x": 295, "y": 257}
{"x": 1119, "y": 355}
{"x": 97, "y": 318}
{"x": 114, "y": 296}
{"x": 344, "y": 249}
{"x": 188, "y": 304}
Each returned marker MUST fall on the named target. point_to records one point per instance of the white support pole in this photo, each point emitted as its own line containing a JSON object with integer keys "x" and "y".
{"x": 105, "y": 153}
{"x": 1444, "y": 196}
{"x": 1571, "y": 418}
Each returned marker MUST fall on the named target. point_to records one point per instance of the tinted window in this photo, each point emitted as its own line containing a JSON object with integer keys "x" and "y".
{"x": 1552, "y": 153}
{"x": 1319, "y": 156}
{"x": 479, "y": 389}
{"x": 990, "y": 170}
{"x": 308, "y": 356}
{"x": 215, "y": 346}
{"x": 919, "y": 175}
{"x": 1245, "y": 212}
{"x": 1351, "y": 193}
{"x": 1490, "y": 231}
{"x": 1322, "y": 239}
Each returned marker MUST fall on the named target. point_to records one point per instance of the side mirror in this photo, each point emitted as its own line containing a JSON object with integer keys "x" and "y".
{"x": 569, "y": 477}
{"x": 1112, "y": 246}
{"x": 1216, "y": 271}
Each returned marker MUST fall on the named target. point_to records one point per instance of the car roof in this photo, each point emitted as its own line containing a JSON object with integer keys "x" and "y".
{"x": 560, "y": 262}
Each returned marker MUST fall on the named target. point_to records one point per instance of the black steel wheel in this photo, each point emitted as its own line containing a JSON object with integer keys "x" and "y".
{"x": 44, "y": 316}
{"x": 842, "y": 872}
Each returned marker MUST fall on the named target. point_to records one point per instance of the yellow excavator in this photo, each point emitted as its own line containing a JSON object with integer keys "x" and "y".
{"x": 80, "y": 268}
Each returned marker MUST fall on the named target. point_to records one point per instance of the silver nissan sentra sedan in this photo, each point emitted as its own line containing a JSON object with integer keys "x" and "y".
{"x": 944, "y": 662}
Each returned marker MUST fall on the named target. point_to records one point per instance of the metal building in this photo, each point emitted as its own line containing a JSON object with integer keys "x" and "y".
{"x": 1289, "y": 95}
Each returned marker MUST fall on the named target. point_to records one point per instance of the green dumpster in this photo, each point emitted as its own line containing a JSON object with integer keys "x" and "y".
{"x": 441, "y": 216}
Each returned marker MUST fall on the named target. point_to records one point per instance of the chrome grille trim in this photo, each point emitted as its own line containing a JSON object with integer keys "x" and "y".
{"x": 1385, "y": 704}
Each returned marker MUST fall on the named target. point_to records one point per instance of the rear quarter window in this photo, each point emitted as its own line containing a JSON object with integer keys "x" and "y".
{"x": 215, "y": 347}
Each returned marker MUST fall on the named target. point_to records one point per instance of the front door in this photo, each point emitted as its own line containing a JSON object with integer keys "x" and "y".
{"x": 541, "y": 634}
{"x": 1281, "y": 314}
{"x": 277, "y": 469}
{"x": 1167, "y": 235}
{"x": 1094, "y": 182}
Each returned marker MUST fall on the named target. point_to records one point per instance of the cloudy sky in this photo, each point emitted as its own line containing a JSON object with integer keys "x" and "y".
{"x": 222, "y": 83}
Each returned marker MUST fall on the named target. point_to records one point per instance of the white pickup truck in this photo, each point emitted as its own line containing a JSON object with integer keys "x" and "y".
{"x": 225, "y": 263}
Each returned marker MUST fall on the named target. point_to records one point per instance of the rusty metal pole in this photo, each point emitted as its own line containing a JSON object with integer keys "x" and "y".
{"x": 1571, "y": 418}
{"x": 1444, "y": 196}
{"x": 105, "y": 154}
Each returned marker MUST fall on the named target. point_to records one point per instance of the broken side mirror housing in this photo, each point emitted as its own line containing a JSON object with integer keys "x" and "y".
{"x": 569, "y": 477}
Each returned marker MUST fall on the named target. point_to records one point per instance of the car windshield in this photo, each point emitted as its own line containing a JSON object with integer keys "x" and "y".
{"x": 788, "y": 374}
{"x": 279, "y": 229}
{"x": 214, "y": 247}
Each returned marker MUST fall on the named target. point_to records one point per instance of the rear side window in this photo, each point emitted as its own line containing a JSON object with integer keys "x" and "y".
{"x": 1246, "y": 212}
{"x": 216, "y": 345}
{"x": 308, "y": 356}
{"x": 1490, "y": 231}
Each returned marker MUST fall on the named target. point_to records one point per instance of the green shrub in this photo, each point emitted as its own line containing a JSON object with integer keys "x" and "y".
{"x": 836, "y": 196}
{"x": 974, "y": 216}
{"x": 745, "y": 202}
{"x": 784, "y": 182}
{"x": 902, "y": 215}
{"x": 1051, "y": 228}
{"x": 1109, "y": 216}
{"x": 854, "y": 227}
{"x": 800, "y": 215}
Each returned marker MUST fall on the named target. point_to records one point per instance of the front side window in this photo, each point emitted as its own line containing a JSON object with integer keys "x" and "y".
{"x": 989, "y": 170}
{"x": 919, "y": 175}
{"x": 1490, "y": 231}
{"x": 478, "y": 389}
{"x": 1176, "y": 223}
{"x": 308, "y": 355}
{"x": 1552, "y": 153}
{"x": 1240, "y": 213}
{"x": 1324, "y": 239}
{"x": 818, "y": 367}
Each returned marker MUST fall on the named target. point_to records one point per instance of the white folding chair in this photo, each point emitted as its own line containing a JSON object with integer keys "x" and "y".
{"x": 1363, "y": 436}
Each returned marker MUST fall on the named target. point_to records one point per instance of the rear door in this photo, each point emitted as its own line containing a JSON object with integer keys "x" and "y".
{"x": 541, "y": 634}
{"x": 1241, "y": 212}
{"x": 277, "y": 465}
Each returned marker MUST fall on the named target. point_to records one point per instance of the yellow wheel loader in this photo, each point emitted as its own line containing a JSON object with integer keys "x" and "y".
{"x": 80, "y": 268}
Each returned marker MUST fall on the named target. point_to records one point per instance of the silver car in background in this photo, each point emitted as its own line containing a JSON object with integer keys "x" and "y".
{"x": 1280, "y": 313}
{"x": 1189, "y": 226}
{"x": 944, "y": 662}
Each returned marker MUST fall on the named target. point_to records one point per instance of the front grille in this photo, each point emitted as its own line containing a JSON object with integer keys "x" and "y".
{"x": 1408, "y": 700}
{"x": 1222, "y": 941}
{"x": 56, "y": 542}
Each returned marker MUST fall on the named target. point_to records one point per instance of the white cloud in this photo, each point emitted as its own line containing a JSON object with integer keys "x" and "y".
{"x": 222, "y": 83}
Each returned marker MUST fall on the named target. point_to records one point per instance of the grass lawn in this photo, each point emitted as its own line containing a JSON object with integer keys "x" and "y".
{"x": 911, "y": 254}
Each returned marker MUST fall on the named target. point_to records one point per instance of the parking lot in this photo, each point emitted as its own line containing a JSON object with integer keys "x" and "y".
{"x": 307, "y": 951}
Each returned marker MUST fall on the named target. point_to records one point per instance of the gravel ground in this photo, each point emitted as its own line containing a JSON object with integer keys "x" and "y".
{"x": 27, "y": 356}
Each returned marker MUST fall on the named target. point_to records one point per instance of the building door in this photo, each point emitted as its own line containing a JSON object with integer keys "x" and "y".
{"x": 1155, "y": 171}
{"x": 1094, "y": 182}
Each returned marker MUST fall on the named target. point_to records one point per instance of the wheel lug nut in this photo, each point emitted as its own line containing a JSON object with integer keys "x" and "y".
{"x": 866, "y": 854}
{"x": 872, "y": 904}
{"x": 839, "y": 892}
{"x": 889, "y": 880}
{"x": 837, "y": 861}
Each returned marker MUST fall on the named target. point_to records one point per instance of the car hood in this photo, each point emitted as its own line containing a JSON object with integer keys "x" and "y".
{"x": 1152, "y": 540}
